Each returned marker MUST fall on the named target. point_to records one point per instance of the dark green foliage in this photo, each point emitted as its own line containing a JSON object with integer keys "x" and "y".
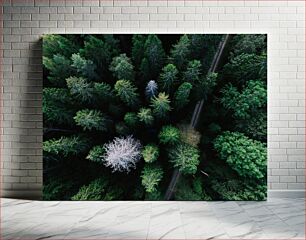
{"x": 103, "y": 92}
{"x": 122, "y": 129}
{"x": 189, "y": 135}
{"x": 246, "y": 103}
{"x": 81, "y": 89}
{"x": 127, "y": 93}
{"x": 66, "y": 146}
{"x": 57, "y": 44}
{"x": 187, "y": 190}
{"x": 168, "y": 77}
{"x": 154, "y": 57}
{"x": 185, "y": 157}
{"x": 97, "y": 190}
{"x": 193, "y": 72}
{"x": 181, "y": 52}
{"x": 96, "y": 154}
{"x": 181, "y": 96}
{"x": 145, "y": 116}
{"x": 234, "y": 190}
{"x": 151, "y": 175}
{"x": 56, "y": 189}
{"x": 122, "y": 67}
{"x": 91, "y": 120}
{"x": 138, "y": 42}
{"x": 206, "y": 85}
{"x": 57, "y": 106}
{"x": 150, "y": 153}
{"x": 154, "y": 196}
{"x": 59, "y": 69}
{"x": 161, "y": 105}
{"x": 249, "y": 43}
{"x": 131, "y": 120}
{"x": 246, "y": 156}
{"x": 99, "y": 51}
{"x": 169, "y": 135}
{"x": 246, "y": 66}
{"x": 86, "y": 68}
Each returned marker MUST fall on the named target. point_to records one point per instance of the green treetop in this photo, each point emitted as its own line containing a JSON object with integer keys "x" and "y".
{"x": 161, "y": 105}
{"x": 127, "y": 93}
{"x": 138, "y": 42}
{"x": 180, "y": 53}
{"x": 169, "y": 135}
{"x": 56, "y": 44}
{"x": 150, "y": 153}
{"x": 193, "y": 72}
{"x": 181, "y": 96}
{"x": 151, "y": 175}
{"x": 122, "y": 67}
{"x": 154, "y": 57}
{"x": 96, "y": 154}
{"x": 168, "y": 77}
{"x": 145, "y": 116}
{"x": 131, "y": 120}
{"x": 81, "y": 89}
{"x": 86, "y": 68}
{"x": 91, "y": 120}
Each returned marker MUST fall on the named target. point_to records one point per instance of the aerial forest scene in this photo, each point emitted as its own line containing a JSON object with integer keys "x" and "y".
{"x": 154, "y": 117}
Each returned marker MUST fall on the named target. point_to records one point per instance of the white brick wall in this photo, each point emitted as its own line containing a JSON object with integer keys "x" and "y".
{"x": 24, "y": 21}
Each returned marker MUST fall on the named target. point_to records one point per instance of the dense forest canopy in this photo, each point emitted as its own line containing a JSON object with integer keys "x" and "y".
{"x": 117, "y": 112}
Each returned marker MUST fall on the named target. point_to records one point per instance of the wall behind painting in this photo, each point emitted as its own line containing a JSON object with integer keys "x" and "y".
{"x": 24, "y": 21}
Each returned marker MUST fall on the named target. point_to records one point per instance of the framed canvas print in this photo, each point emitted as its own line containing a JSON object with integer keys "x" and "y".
{"x": 155, "y": 117}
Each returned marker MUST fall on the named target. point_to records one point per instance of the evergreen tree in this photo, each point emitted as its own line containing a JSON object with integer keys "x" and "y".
{"x": 96, "y": 154}
{"x": 150, "y": 153}
{"x": 103, "y": 92}
{"x": 150, "y": 177}
{"x": 138, "y": 42}
{"x": 154, "y": 57}
{"x": 81, "y": 89}
{"x": 185, "y": 157}
{"x": 168, "y": 77}
{"x": 86, "y": 68}
{"x": 59, "y": 69}
{"x": 151, "y": 89}
{"x": 91, "y": 120}
{"x": 127, "y": 93}
{"x": 193, "y": 72}
{"x": 169, "y": 135}
{"x": 145, "y": 116}
{"x": 189, "y": 135}
{"x": 180, "y": 52}
{"x": 122, "y": 67}
{"x": 206, "y": 85}
{"x": 161, "y": 105}
{"x": 57, "y": 106}
{"x": 56, "y": 44}
{"x": 66, "y": 146}
{"x": 181, "y": 96}
{"x": 131, "y": 120}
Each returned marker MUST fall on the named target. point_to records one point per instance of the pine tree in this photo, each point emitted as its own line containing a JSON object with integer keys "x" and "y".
{"x": 169, "y": 135}
{"x": 56, "y": 44}
{"x": 185, "y": 157}
{"x": 85, "y": 68}
{"x": 103, "y": 92}
{"x": 91, "y": 120}
{"x": 193, "y": 72}
{"x": 138, "y": 42}
{"x": 66, "y": 146}
{"x": 59, "y": 69}
{"x": 131, "y": 120}
{"x": 168, "y": 77}
{"x": 154, "y": 57}
{"x": 96, "y": 154}
{"x": 122, "y": 67}
{"x": 127, "y": 93}
{"x": 161, "y": 105}
{"x": 150, "y": 153}
{"x": 151, "y": 175}
{"x": 180, "y": 52}
{"x": 81, "y": 89}
{"x": 181, "y": 96}
{"x": 57, "y": 106}
{"x": 206, "y": 85}
{"x": 145, "y": 116}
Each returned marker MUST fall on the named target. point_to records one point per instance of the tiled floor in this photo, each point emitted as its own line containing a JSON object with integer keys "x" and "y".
{"x": 274, "y": 219}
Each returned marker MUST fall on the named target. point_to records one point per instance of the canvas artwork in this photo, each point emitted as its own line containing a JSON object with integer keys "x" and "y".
{"x": 155, "y": 117}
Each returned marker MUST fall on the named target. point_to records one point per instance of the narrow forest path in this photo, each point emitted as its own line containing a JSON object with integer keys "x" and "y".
{"x": 198, "y": 109}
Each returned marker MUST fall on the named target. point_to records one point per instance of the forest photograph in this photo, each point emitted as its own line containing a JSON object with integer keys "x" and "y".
{"x": 154, "y": 117}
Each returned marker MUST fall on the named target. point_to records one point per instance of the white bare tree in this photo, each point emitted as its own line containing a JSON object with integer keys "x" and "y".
{"x": 122, "y": 154}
